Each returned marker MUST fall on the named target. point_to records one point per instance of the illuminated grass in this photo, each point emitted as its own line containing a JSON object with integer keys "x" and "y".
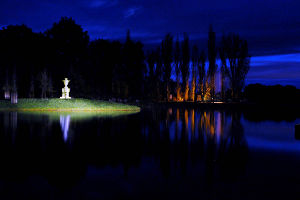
{"x": 65, "y": 105}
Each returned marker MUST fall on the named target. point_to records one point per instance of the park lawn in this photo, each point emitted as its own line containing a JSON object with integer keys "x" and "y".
{"x": 54, "y": 104}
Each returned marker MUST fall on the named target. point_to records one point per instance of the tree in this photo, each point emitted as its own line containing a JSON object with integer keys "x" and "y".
{"x": 177, "y": 60}
{"x": 44, "y": 83}
{"x": 151, "y": 60}
{"x": 18, "y": 51}
{"x": 202, "y": 75}
{"x": 69, "y": 39}
{"x": 185, "y": 65}
{"x": 14, "y": 90}
{"x": 105, "y": 60}
{"x": 68, "y": 48}
{"x": 133, "y": 58}
{"x": 195, "y": 63}
{"x": 167, "y": 58}
{"x": 7, "y": 87}
{"x": 31, "y": 88}
{"x": 212, "y": 67}
{"x": 158, "y": 73}
{"x": 50, "y": 90}
{"x": 223, "y": 72}
{"x": 235, "y": 59}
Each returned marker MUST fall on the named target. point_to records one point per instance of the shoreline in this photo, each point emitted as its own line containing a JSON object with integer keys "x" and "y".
{"x": 72, "y": 105}
{"x": 220, "y": 104}
{"x": 68, "y": 110}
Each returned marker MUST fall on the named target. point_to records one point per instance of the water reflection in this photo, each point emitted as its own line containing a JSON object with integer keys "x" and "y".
{"x": 190, "y": 137}
{"x": 65, "y": 124}
{"x": 193, "y": 148}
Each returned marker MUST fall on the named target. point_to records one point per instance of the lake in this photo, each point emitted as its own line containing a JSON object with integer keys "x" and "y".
{"x": 159, "y": 153}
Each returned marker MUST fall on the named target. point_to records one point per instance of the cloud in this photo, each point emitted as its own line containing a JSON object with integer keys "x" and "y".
{"x": 102, "y": 3}
{"x": 275, "y": 69}
{"x": 131, "y": 11}
{"x": 271, "y": 59}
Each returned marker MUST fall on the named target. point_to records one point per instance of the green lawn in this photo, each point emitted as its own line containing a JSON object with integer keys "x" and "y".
{"x": 65, "y": 105}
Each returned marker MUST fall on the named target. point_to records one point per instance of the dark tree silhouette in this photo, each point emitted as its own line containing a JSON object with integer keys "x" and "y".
{"x": 44, "y": 83}
{"x": 167, "y": 58}
{"x": 19, "y": 51}
{"x": 50, "y": 89}
{"x": 68, "y": 43}
{"x": 31, "y": 89}
{"x": 223, "y": 72}
{"x": 177, "y": 60}
{"x": 185, "y": 65}
{"x": 236, "y": 60}
{"x": 279, "y": 94}
{"x": 7, "y": 87}
{"x": 105, "y": 63}
{"x": 14, "y": 89}
{"x": 69, "y": 40}
{"x": 212, "y": 67}
{"x": 202, "y": 75}
{"x": 151, "y": 82}
{"x": 133, "y": 60}
{"x": 117, "y": 70}
{"x": 158, "y": 73}
{"x": 195, "y": 64}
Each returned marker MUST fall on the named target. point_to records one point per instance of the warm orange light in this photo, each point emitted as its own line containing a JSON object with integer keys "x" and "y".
{"x": 186, "y": 119}
{"x": 193, "y": 121}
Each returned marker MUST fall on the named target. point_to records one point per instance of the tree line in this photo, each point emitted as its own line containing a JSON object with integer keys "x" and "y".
{"x": 273, "y": 94}
{"x": 34, "y": 65}
{"x": 195, "y": 71}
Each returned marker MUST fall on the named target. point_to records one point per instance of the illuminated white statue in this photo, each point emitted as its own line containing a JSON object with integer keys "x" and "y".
{"x": 66, "y": 90}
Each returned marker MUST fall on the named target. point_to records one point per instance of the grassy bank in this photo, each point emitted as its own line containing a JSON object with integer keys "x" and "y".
{"x": 65, "y": 105}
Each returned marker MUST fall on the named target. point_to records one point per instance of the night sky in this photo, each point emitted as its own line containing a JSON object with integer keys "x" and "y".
{"x": 272, "y": 27}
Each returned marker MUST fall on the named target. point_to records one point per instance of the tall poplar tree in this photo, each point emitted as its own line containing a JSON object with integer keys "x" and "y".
{"x": 212, "y": 67}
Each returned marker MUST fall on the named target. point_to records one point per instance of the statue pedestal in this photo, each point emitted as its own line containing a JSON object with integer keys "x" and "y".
{"x": 65, "y": 93}
{"x": 65, "y": 90}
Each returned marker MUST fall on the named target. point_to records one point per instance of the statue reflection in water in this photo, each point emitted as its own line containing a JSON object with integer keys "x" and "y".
{"x": 65, "y": 124}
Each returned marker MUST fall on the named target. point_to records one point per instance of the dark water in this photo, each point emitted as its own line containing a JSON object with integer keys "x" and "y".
{"x": 156, "y": 154}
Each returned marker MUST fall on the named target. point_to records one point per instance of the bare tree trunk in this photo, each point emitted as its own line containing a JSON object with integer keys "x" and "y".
{"x": 212, "y": 88}
{"x": 31, "y": 89}
{"x": 178, "y": 96}
{"x": 186, "y": 91}
{"x": 168, "y": 92}
{"x": 14, "y": 94}
{"x": 193, "y": 88}
{"x": 7, "y": 87}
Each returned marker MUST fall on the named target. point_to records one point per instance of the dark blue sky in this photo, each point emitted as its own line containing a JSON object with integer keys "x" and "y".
{"x": 270, "y": 26}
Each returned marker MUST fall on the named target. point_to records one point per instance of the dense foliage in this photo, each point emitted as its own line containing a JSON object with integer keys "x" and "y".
{"x": 38, "y": 62}
{"x": 34, "y": 65}
{"x": 259, "y": 93}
